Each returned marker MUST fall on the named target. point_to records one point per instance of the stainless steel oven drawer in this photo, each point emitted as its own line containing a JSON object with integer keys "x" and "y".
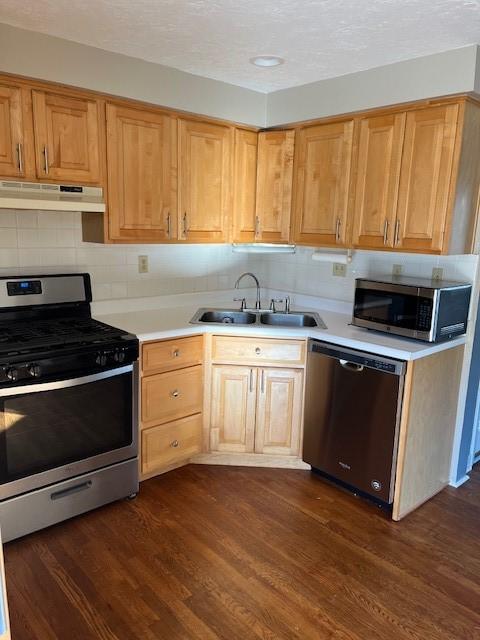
{"x": 41, "y": 508}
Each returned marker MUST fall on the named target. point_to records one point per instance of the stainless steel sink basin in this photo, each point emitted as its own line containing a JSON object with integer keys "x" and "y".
{"x": 234, "y": 316}
{"x": 224, "y": 316}
{"x": 292, "y": 319}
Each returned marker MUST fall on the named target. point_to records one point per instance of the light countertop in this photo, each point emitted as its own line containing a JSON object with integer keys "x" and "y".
{"x": 169, "y": 317}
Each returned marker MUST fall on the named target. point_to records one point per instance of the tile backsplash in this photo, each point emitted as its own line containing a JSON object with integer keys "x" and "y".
{"x": 49, "y": 242}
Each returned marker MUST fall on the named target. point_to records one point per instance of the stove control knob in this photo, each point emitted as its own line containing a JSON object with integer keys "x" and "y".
{"x": 119, "y": 356}
{"x": 34, "y": 370}
{"x": 101, "y": 359}
{"x": 12, "y": 374}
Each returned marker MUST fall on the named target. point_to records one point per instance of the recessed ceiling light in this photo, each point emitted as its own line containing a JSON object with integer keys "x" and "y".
{"x": 267, "y": 61}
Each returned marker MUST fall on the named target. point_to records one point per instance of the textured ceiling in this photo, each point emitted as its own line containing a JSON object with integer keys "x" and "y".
{"x": 215, "y": 38}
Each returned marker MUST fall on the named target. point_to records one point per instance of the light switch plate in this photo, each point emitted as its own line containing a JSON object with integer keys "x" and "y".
{"x": 339, "y": 269}
{"x": 397, "y": 269}
{"x": 142, "y": 264}
{"x": 437, "y": 273}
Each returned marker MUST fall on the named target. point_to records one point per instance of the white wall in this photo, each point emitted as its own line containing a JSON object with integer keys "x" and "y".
{"x": 47, "y": 58}
{"x": 51, "y": 242}
{"x": 429, "y": 76}
{"x": 32, "y": 241}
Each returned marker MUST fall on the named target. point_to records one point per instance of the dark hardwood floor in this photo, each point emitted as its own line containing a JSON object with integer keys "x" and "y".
{"x": 240, "y": 553}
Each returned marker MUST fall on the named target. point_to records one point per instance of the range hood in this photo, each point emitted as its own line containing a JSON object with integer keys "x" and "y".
{"x": 50, "y": 197}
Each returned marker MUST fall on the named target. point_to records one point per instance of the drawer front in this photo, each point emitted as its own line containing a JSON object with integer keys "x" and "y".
{"x": 258, "y": 351}
{"x": 171, "y": 395}
{"x": 170, "y": 443}
{"x": 169, "y": 355}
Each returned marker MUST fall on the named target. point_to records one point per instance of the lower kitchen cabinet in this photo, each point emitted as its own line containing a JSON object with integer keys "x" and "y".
{"x": 171, "y": 399}
{"x": 169, "y": 444}
{"x": 256, "y": 410}
{"x": 171, "y": 395}
{"x": 233, "y": 405}
{"x": 279, "y": 411}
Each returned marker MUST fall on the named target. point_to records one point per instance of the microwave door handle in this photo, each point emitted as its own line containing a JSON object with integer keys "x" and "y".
{"x": 64, "y": 384}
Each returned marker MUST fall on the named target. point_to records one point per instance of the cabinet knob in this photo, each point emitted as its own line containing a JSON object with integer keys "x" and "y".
{"x": 175, "y": 393}
{"x": 174, "y": 444}
{"x": 176, "y": 353}
{"x": 258, "y": 351}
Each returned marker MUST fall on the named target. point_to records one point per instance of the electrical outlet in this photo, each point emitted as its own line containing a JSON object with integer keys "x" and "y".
{"x": 437, "y": 273}
{"x": 397, "y": 269}
{"x": 339, "y": 269}
{"x": 142, "y": 264}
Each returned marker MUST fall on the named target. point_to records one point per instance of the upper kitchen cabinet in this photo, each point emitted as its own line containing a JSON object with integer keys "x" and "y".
{"x": 418, "y": 179}
{"x": 205, "y": 155}
{"x": 322, "y": 180}
{"x": 274, "y": 185}
{"x": 68, "y": 132}
{"x": 377, "y": 180}
{"x": 141, "y": 164}
{"x": 245, "y": 185}
{"x": 15, "y": 159}
{"x": 262, "y": 185}
{"x": 425, "y": 179}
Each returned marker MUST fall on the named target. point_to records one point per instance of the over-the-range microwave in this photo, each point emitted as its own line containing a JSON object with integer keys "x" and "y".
{"x": 417, "y": 308}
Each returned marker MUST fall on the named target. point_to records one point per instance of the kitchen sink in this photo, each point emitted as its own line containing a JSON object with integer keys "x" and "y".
{"x": 234, "y": 316}
{"x": 224, "y": 316}
{"x": 293, "y": 319}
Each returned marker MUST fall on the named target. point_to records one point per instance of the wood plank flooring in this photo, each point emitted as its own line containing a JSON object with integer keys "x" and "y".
{"x": 222, "y": 552}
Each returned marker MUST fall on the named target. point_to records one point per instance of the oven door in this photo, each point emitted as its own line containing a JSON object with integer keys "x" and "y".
{"x": 401, "y": 310}
{"x": 57, "y": 430}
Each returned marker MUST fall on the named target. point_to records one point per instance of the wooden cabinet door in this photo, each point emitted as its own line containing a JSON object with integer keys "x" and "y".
{"x": 425, "y": 178}
{"x": 245, "y": 185}
{"x": 378, "y": 176}
{"x": 323, "y": 166}
{"x": 67, "y": 137}
{"x": 205, "y": 180}
{"x": 232, "y": 426}
{"x": 12, "y": 133}
{"x": 279, "y": 411}
{"x": 141, "y": 152}
{"x": 274, "y": 185}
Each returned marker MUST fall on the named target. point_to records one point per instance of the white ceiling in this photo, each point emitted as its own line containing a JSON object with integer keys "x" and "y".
{"x": 215, "y": 38}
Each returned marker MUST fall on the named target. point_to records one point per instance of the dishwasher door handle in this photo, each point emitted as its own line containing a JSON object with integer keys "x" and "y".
{"x": 351, "y": 366}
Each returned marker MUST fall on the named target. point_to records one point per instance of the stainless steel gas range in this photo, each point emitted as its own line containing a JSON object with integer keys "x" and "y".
{"x": 68, "y": 404}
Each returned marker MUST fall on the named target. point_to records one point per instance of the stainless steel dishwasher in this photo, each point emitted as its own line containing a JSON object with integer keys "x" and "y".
{"x": 353, "y": 404}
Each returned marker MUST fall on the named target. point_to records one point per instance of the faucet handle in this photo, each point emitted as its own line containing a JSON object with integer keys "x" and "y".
{"x": 273, "y": 302}
{"x": 287, "y": 304}
{"x": 243, "y": 306}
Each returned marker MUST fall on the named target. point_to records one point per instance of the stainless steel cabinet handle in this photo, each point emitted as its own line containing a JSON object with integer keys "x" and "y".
{"x": 20, "y": 157}
{"x": 397, "y": 232}
{"x": 174, "y": 444}
{"x": 257, "y": 226}
{"x": 351, "y": 366}
{"x": 337, "y": 230}
{"x": 176, "y": 353}
{"x": 185, "y": 224}
{"x": 251, "y": 380}
{"x": 258, "y": 351}
{"x": 385, "y": 232}
{"x": 45, "y": 155}
{"x": 175, "y": 393}
{"x": 168, "y": 225}
{"x": 262, "y": 382}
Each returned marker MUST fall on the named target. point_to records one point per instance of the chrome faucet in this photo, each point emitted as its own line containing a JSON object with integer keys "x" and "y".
{"x": 258, "y": 304}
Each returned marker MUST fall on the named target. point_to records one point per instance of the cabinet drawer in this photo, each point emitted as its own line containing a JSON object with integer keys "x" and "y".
{"x": 172, "y": 354}
{"x": 170, "y": 443}
{"x": 171, "y": 395}
{"x": 258, "y": 351}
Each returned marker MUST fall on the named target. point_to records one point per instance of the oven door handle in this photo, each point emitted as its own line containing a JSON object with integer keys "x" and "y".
{"x": 65, "y": 384}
